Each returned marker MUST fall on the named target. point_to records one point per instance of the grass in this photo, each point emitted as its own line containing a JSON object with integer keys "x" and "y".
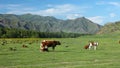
{"x": 74, "y": 56}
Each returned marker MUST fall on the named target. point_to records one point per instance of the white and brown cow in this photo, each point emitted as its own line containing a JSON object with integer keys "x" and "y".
{"x": 45, "y": 44}
{"x": 91, "y": 44}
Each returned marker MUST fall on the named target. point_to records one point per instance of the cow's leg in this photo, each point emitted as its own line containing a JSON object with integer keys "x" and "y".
{"x": 46, "y": 48}
{"x": 95, "y": 47}
{"x": 90, "y": 45}
{"x": 53, "y": 48}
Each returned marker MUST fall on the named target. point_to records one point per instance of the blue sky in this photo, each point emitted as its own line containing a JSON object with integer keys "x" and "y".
{"x": 99, "y": 11}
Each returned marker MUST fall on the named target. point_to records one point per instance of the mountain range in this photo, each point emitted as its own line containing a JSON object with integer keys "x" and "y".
{"x": 39, "y": 23}
{"x": 110, "y": 28}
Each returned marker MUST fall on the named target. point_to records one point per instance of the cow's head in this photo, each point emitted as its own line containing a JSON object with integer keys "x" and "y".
{"x": 86, "y": 46}
{"x": 57, "y": 43}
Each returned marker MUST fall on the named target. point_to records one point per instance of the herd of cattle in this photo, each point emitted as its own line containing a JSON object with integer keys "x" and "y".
{"x": 45, "y": 44}
{"x": 12, "y": 43}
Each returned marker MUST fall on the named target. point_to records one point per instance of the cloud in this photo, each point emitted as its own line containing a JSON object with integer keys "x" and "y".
{"x": 51, "y": 11}
{"x": 97, "y": 19}
{"x": 13, "y": 5}
{"x": 112, "y": 15}
{"x": 9, "y": 6}
{"x": 117, "y": 4}
{"x": 56, "y": 10}
{"x": 61, "y": 10}
{"x": 69, "y": 11}
{"x": 15, "y": 8}
{"x": 114, "y": 4}
{"x": 73, "y": 16}
{"x": 100, "y": 3}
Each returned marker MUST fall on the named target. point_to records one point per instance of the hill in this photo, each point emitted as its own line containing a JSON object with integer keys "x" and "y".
{"x": 110, "y": 28}
{"x": 48, "y": 24}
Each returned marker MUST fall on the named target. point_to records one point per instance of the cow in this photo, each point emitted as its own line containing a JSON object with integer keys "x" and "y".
{"x": 12, "y": 48}
{"x": 24, "y": 46}
{"x": 45, "y": 44}
{"x": 91, "y": 44}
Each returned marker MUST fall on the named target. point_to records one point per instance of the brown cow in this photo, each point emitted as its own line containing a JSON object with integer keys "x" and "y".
{"x": 45, "y": 44}
{"x": 24, "y": 46}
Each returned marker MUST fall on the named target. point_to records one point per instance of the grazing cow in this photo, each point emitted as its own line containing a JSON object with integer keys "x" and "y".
{"x": 24, "y": 46}
{"x": 91, "y": 44}
{"x": 47, "y": 43}
{"x": 12, "y": 49}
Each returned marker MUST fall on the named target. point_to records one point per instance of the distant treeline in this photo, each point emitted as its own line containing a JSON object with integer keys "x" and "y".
{"x": 19, "y": 33}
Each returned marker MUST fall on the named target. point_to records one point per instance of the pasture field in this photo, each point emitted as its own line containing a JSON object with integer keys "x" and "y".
{"x": 70, "y": 54}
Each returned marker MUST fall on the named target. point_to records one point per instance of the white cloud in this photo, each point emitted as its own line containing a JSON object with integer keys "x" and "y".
{"x": 13, "y": 5}
{"x": 117, "y": 4}
{"x": 73, "y": 16}
{"x": 114, "y": 4}
{"x": 56, "y": 10}
{"x": 8, "y": 5}
{"x": 15, "y": 8}
{"x": 65, "y": 10}
{"x": 49, "y": 5}
{"x": 100, "y": 3}
{"x": 97, "y": 19}
{"x": 112, "y": 15}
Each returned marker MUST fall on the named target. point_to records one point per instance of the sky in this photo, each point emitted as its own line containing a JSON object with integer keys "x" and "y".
{"x": 98, "y": 11}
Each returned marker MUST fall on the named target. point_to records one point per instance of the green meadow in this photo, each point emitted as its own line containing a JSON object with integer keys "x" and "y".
{"x": 70, "y": 54}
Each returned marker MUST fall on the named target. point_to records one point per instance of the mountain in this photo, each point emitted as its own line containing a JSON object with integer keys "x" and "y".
{"x": 110, "y": 28}
{"x": 48, "y": 24}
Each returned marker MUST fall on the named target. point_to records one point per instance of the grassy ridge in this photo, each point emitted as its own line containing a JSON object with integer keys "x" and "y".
{"x": 110, "y": 28}
{"x": 73, "y": 56}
